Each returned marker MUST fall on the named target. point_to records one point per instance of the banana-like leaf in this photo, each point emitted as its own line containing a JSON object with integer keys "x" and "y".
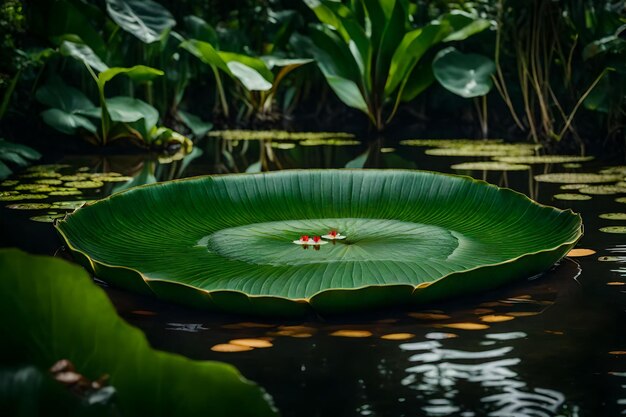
{"x": 145, "y": 19}
{"x": 51, "y": 310}
{"x": 466, "y": 75}
{"x": 411, "y": 236}
{"x": 84, "y": 53}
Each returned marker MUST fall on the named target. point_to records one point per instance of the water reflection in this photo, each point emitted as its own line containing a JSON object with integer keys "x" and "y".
{"x": 442, "y": 375}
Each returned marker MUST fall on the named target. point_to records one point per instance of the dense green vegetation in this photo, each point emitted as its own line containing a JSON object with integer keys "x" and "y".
{"x": 172, "y": 70}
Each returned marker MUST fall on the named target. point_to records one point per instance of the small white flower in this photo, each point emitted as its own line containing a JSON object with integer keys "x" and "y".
{"x": 333, "y": 235}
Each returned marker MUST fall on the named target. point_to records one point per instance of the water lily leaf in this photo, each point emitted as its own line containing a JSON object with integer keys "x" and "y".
{"x": 411, "y": 236}
{"x": 578, "y": 177}
{"x": 147, "y": 20}
{"x": 56, "y": 312}
{"x": 490, "y": 166}
{"x": 466, "y": 75}
{"x": 543, "y": 159}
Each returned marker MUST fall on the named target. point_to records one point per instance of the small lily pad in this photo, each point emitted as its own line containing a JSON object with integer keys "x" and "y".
{"x": 9, "y": 183}
{"x": 10, "y": 192}
{"x": 616, "y": 170}
{"x": 387, "y": 150}
{"x": 490, "y": 166}
{"x": 613, "y": 216}
{"x": 329, "y": 142}
{"x": 621, "y": 200}
{"x": 46, "y": 167}
{"x": 84, "y": 184}
{"x": 572, "y": 165}
{"x": 578, "y": 177}
{"x": 64, "y": 193}
{"x": 602, "y": 189}
{"x": 573, "y": 186}
{"x": 283, "y": 145}
{"x": 448, "y": 143}
{"x": 29, "y": 206}
{"x": 49, "y": 181}
{"x": 17, "y": 197}
{"x": 69, "y": 205}
{"x": 75, "y": 177}
{"x": 543, "y": 159}
{"x": 486, "y": 150}
{"x": 613, "y": 229}
{"x": 236, "y": 134}
{"x": 41, "y": 174}
{"x": 572, "y": 197}
{"x": 47, "y": 218}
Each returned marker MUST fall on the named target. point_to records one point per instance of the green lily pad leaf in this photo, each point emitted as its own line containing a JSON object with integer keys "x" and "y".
{"x": 147, "y": 20}
{"x": 613, "y": 216}
{"x": 490, "y": 166}
{"x": 614, "y": 229}
{"x": 411, "y": 236}
{"x": 236, "y": 134}
{"x": 578, "y": 177}
{"x": 572, "y": 165}
{"x": 29, "y": 206}
{"x": 466, "y": 75}
{"x": 573, "y": 186}
{"x": 621, "y": 200}
{"x": 329, "y": 142}
{"x": 448, "y": 143}
{"x": 18, "y": 197}
{"x": 543, "y": 159}
{"x": 603, "y": 189}
{"x": 84, "y": 184}
{"x": 572, "y": 197}
{"x": 57, "y": 312}
{"x": 47, "y": 218}
{"x": 485, "y": 150}
{"x": 618, "y": 170}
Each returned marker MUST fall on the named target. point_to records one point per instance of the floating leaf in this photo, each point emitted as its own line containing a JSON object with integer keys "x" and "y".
{"x": 411, "y": 236}
{"x": 613, "y": 229}
{"x": 277, "y": 135}
{"x": 29, "y": 206}
{"x": 495, "y": 318}
{"x": 449, "y": 143}
{"x": 616, "y": 283}
{"x": 572, "y": 197}
{"x": 573, "y": 186}
{"x": 621, "y": 200}
{"x": 64, "y": 193}
{"x": 578, "y": 252}
{"x": 18, "y": 197}
{"x": 578, "y": 177}
{"x": 490, "y": 166}
{"x": 429, "y": 316}
{"x": 485, "y": 150}
{"x": 47, "y": 218}
{"x": 603, "y": 189}
{"x": 543, "y": 159}
{"x": 572, "y": 165}
{"x": 466, "y": 326}
{"x": 615, "y": 170}
{"x": 613, "y": 216}
{"x": 253, "y": 343}
{"x": 228, "y": 348}
{"x": 352, "y": 333}
{"x": 397, "y": 336}
{"x": 329, "y": 142}
{"x": 84, "y": 184}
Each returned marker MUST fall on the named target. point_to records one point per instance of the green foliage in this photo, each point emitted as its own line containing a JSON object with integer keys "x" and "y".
{"x": 56, "y": 312}
{"x": 467, "y": 75}
{"x": 145, "y": 19}
{"x": 369, "y": 52}
{"x": 411, "y": 236}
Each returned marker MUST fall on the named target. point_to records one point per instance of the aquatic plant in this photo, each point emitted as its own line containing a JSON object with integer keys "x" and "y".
{"x": 372, "y": 56}
{"x": 58, "y": 313}
{"x": 411, "y": 237}
{"x": 16, "y": 155}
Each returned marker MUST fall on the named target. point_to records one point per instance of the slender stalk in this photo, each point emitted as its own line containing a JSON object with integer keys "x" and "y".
{"x": 220, "y": 90}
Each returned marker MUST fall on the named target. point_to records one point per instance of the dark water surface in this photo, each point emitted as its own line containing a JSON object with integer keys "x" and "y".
{"x": 560, "y": 352}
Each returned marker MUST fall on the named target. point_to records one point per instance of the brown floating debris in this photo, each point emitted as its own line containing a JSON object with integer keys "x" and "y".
{"x": 493, "y": 318}
{"x": 428, "y": 316}
{"x": 253, "y": 343}
{"x": 466, "y": 326}
{"x": 351, "y": 333}
{"x": 398, "y": 336}
{"x": 229, "y": 348}
{"x": 574, "y": 253}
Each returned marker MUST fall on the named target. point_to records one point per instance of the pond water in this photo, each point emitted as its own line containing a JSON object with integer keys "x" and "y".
{"x": 552, "y": 345}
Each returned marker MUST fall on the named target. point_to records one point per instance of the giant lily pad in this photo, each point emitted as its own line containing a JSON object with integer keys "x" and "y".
{"x": 227, "y": 242}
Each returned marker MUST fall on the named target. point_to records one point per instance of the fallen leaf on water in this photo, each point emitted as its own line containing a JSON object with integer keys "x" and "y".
{"x": 493, "y": 318}
{"x": 398, "y": 336}
{"x": 466, "y": 326}
{"x": 616, "y": 283}
{"x": 617, "y": 352}
{"x": 574, "y": 253}
{"x": 481, "y": 311}
{"x": 523, "y": 313}
{"x": 351, "y": 333}
{"x": 227, "y": 347}
{"x": 253, "y": 343}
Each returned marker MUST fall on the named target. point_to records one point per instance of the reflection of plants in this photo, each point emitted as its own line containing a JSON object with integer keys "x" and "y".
{"x": 56, "y": 312}
{"x": 371, "y": 55}
{"x": 15, "y": 154}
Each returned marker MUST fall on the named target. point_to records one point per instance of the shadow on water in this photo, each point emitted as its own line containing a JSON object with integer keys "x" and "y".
{"x": 550, "y": 346}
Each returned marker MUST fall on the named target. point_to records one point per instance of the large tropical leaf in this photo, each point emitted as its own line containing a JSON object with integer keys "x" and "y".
{"x": 226, "y": 242}
{"x": 122, "y": 109}
{"x": 145, "y": 19}
{"x": 83, "y": 53}
{"x": 466, "y": 75}
{"x": 51, "y": 310}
